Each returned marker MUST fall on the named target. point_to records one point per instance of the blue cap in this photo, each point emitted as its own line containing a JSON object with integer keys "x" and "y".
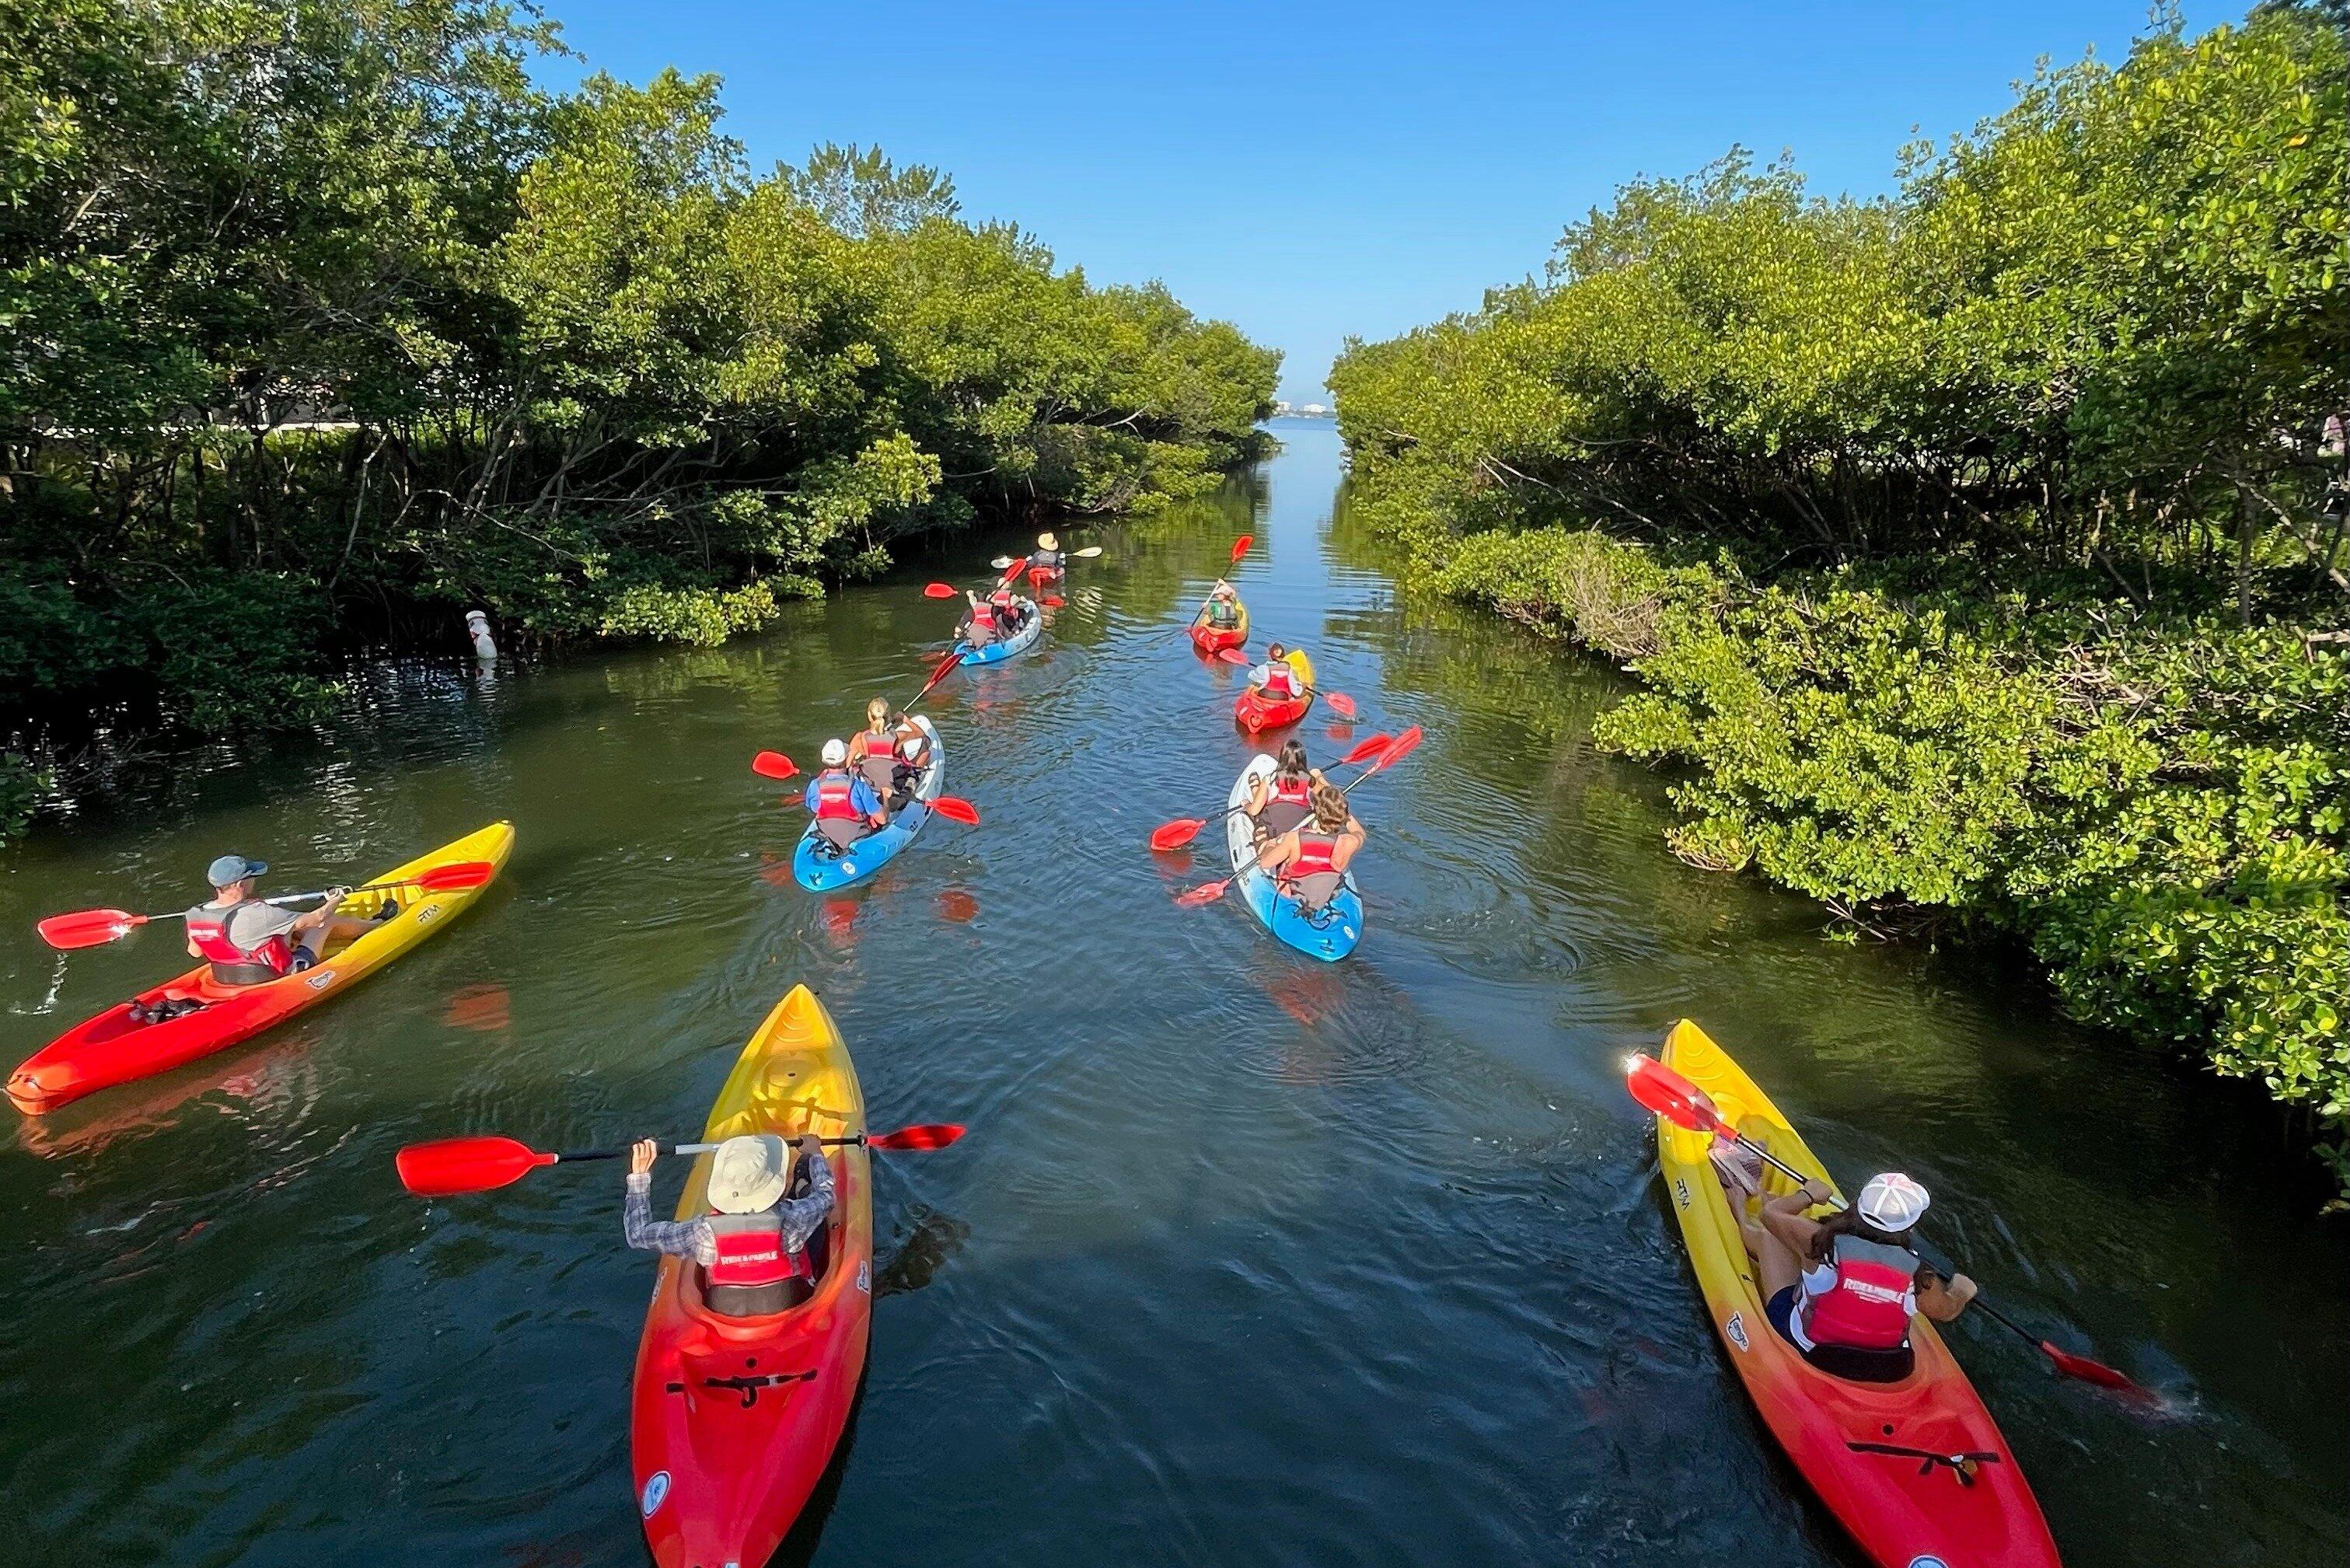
{"x": 230, "y": 869}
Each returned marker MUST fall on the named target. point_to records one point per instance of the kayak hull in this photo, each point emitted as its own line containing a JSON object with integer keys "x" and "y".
{"x": 1212, "y": 639}
{"x": 818, "y": 869}
{"x": 1012, "y": 647}
{"x": 1256, "y": 713}
{"x": 1329, "y": 933}
{"x": 1046, "y": 576}
{"x": 111, "y": 1048}
{"x": 733, "y": 1420}
{"x": 1902, "y": 1510}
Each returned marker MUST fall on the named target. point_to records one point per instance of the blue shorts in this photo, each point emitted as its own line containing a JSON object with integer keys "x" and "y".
{"x": 1781, "y": 1309}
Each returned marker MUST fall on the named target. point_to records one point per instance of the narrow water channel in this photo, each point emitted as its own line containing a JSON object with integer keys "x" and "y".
{"x": 1245, "y": 1259}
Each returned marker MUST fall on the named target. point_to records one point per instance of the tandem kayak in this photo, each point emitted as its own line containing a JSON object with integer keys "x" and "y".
{"x": 733, "y": 1420}
{"x": 1211, "y": 639}
{"x": 820, "y": 868}
{"x": 1915, "y": 1469}
{"x": 1256, "y": 712}
{"x": 1328, "y": 933}
{"x": 1012, "y": 647}
{"x": 112, "y": 1048}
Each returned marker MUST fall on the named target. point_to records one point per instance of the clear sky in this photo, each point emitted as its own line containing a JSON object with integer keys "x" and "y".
{"x": 1309, "y": 172}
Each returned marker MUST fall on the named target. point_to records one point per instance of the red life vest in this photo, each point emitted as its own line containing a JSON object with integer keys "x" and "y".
{"x": 233, "y": 965}
{"x": 834, "y": 793}
{"x": 1280, "y": 679}
{"x": 880, "y": 753}
{"x": 751, "y": 1252}
{"x": 981, "y": 616}
{"x": 1869, "y": 1306}
{"x": 1312, "y": 857}
{"x": 1288, "y": 791}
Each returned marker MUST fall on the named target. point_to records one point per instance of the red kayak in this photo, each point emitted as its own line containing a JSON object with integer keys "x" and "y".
{"x": 733, "y": 1420}
{"x": 1040, "y": 577}
{"x": 1211, "y": 639}
{"x": 1256, "y": 712}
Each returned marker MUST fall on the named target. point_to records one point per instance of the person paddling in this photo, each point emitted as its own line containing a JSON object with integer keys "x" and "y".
{"x": 1048, "y": 557}
{"x": 251, "y": 942}
{"x": 1222, "y": 612}
{"x": 1276, "y": 678}
{"x": 1011, "y": 611}
{"x": 980, "y": 630}
{"x": 752, "y": 1245}
{"x": 845, "y": 807}
{"x": 1842, "y": 1290}
{"x": 873, "y": 752}
{"x": 1310, "y": 860}
{"x": 1281, "y": 800}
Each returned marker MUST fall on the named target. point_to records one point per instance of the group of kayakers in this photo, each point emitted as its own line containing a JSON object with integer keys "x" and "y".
{"x": 1307, "y": 834}
{"x": 868, "y": 777}
{"x": 1000, "y": 614}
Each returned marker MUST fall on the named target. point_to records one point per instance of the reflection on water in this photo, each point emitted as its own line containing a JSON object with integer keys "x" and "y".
{"x": 1245, "y": 1259}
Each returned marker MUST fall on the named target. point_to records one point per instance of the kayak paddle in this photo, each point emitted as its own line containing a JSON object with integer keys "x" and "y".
{"x": 95, "y": 928}
{"x": 1183, "y": 830}
{"x": 1240, "y": 548}
{"x": 940, "y": 591}
{"x": 1683, "y": 1102}
{"x": 454, "y": 1165}
{"x": 776, "y": 765}
{"x": 1209, "y": 892}
{"x": 1087, "y": 554}
{"x": 1339, "y": 701}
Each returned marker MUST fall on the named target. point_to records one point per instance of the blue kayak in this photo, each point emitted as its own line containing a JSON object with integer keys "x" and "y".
{"x": 1012, "y": 647}
{"x": 820, "y": 868}
{"x": 1328, "y": 933}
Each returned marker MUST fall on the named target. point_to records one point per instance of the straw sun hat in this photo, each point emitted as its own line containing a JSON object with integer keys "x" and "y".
{"x": 747, "y": 1174}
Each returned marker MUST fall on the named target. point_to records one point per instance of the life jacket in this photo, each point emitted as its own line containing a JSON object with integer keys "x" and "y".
{"x": 1280, "y": 679}
{"x": 753, "y": 1271}
{"x": 879, "y": 763}
{"x": 982, "y": 622}
{"x": 1288, "y": 800}
{"x": 1313, "y": 869}
{"x": 233, "y": 965}
{"x": 1868, "y": 1305}
{"x": 1049, "y": 560}
{"x": 1007, "y": 612}
{"x": 834, "y": 791}
{"x": 1223, "y": 614}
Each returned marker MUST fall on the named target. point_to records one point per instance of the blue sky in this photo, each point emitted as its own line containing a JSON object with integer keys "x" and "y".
{"x": 1309, "y": 172}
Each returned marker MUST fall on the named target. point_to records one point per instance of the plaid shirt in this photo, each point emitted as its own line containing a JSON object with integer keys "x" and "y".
{"x": 694, "y": 1239}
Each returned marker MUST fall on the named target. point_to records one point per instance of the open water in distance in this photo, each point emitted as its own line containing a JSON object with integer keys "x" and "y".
{"x": 1246, "y": 1261}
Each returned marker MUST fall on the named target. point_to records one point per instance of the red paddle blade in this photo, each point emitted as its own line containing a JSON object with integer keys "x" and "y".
{"x": 1367, "y": 748}
{"x": 1670, "y": 1095}
{"x": 1403, "y": 746}
{"x": 929, "y": 1135}
{"x": 2089, "y": 1371}
{"x": 1240, "y": 548}
{"x": 1339, "y": 702}
{"x": 456, "y": 875}
{"x": 1053, "y": 601}
{"x": 1205, "y": 893}
{"x": 1176, "y": 833}
{"x": 773, "y": 765}
{"x": 954, "y": 808}
{"x": 1232, "y": 656}
{"x": 465, "y": 1164}
{"x": 88, "y": 928}
{"x": 939, "y": 591}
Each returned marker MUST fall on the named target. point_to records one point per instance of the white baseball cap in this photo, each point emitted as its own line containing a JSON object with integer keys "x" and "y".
{"x": 1892, "y": 1201}
{"x": 835, "y": 753}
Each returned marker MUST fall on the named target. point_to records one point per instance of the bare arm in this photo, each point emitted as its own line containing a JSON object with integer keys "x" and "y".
{"x": 1942, "y": 1299}
{"x": 1349, "y": 840}
{"x": 1785, "y": 1217}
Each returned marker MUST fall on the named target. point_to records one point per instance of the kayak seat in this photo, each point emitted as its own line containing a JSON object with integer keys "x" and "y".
{"x": 755, "y": 1301}
{"x": 1856, "y": 1365}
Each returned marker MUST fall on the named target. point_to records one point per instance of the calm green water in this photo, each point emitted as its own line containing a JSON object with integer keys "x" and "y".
{"x": 1245, "y": 1259}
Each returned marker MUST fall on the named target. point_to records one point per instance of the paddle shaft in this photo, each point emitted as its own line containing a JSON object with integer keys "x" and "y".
{"x": 670, "y": 1149}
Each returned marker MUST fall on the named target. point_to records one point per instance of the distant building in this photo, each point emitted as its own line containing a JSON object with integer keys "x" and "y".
{"x": 1314, "y": 411}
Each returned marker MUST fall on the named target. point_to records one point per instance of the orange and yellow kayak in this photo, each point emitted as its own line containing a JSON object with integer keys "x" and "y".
{"x": 1916, "y": 1470}
{"x": 734, "y": 1420}
{"x": 114, "y": 1048}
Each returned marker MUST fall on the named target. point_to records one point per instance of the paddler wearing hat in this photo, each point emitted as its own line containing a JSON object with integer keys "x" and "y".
{"x": 752, "y": 1245}
{"x": 1047, "y": 557}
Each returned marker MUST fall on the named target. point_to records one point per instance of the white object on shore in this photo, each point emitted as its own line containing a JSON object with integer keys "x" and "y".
{"x": 477, "y": 627}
